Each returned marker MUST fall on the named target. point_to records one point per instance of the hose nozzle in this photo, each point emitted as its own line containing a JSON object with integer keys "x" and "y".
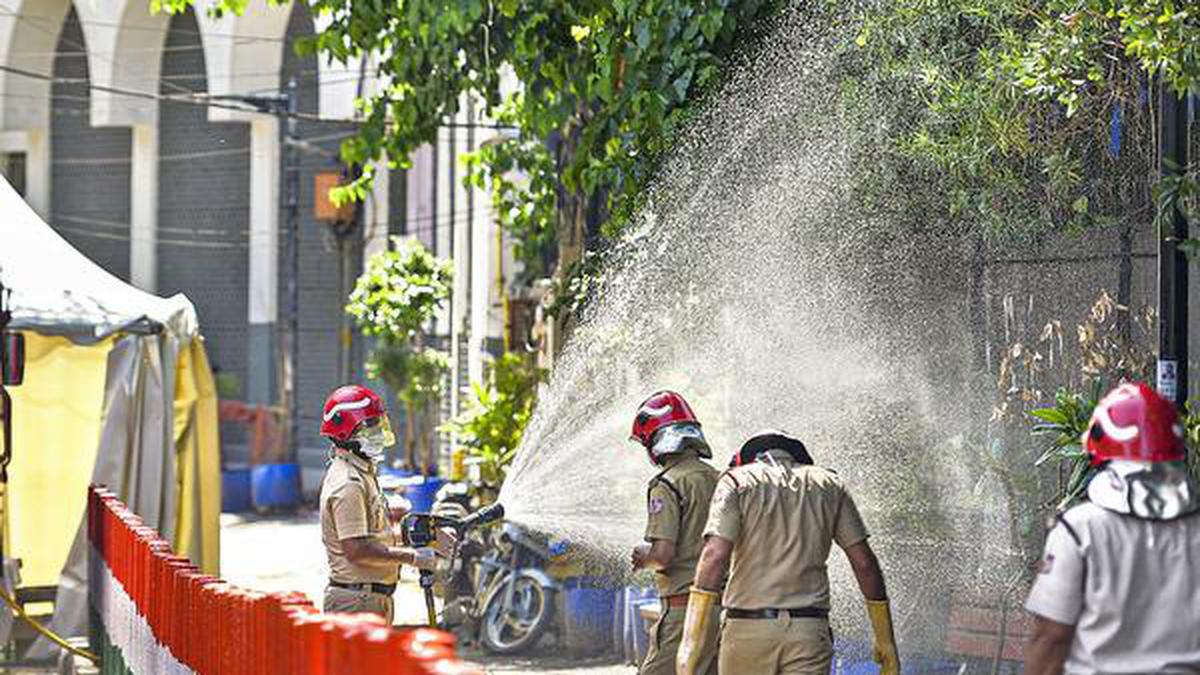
{"x": 487, "y": 514}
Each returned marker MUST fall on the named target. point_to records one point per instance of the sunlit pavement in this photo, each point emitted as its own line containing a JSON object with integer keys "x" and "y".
{"x": 284, "y": 553}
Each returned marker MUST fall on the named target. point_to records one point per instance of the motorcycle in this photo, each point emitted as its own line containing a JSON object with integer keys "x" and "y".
{"x": 496, "y": 592}
{"x": 514, "y": 597}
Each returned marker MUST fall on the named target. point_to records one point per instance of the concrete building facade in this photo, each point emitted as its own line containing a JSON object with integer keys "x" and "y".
{"x": 122, "y": 128}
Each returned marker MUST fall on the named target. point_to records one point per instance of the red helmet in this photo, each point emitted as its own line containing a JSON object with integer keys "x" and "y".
{"x": 1134, "y": 422}
{"x": 347, "y": 408}
{"x": 660, "y": 410}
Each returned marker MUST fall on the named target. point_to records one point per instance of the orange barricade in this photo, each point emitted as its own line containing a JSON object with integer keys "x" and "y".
{"x": 161, "y": 614}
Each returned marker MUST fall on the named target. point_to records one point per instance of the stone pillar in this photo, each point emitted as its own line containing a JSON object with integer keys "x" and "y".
{"x": 35, "y": 145}
{"x": 37, "y": 172}
{"x": 377, "y": 213}
{"x": 485, "y": 267}
{"x": 263, "y": 300}
{"x": 143, "y": 207}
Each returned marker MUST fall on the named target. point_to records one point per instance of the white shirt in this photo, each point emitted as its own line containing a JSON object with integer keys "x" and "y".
{"x": 1130, "y": 587}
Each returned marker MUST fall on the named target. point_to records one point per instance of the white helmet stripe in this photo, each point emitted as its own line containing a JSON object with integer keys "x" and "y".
{"x": 657, "y": 412}
{"x": 1110, "y": 427}
{"x": 347, "y": 405}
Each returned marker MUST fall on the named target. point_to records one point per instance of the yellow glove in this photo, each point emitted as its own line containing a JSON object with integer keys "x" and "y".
{"x": 695, "y": 630}
{"x": 884, "y": 649}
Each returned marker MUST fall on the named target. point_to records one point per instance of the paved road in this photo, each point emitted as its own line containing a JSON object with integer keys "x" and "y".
{"x": 284, "y": 553}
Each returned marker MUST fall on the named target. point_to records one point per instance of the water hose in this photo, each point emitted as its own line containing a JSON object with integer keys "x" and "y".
{"x": 418, "y": 529}
{"x": 426, "y": 581}
{"x": 37, "y": 626}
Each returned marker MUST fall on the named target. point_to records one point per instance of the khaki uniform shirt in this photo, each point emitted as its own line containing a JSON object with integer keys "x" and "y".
{"x": 353, "y": 505}
{"x": 782, "y": 518}
{"x": 677, "y": 508}
{"x": 1130, "y": 587}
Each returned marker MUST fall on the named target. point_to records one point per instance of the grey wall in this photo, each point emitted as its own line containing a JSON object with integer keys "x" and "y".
{"x": 203, "y": 207}
{"x": 320, "y": 301}
{"x": 89, "y": 175}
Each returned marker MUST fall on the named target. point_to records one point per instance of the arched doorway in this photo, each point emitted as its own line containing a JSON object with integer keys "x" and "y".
{"x": 89, "y": 166}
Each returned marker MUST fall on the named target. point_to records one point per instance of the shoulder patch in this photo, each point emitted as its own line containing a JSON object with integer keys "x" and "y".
{"x": 661, "y": 480}
{"x": 655, "y": 505}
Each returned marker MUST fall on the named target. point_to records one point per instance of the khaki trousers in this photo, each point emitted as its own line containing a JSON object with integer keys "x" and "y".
{"x": 782, "y": 645}
{"x": 353, "y": 601}
{"x": 667, "y": 633}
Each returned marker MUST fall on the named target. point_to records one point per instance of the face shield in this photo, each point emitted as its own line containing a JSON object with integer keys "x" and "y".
{"x": 374, "y": 437}
{"x": 675, "y": 439}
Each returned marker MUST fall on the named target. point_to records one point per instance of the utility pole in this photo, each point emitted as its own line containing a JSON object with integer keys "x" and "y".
{"x": 292, "y": 203}
{"x": 1172, "y": 263}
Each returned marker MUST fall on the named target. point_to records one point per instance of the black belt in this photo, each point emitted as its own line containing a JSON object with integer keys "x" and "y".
{"x": 382, "y": 589}
{"x": 775, "y": 612}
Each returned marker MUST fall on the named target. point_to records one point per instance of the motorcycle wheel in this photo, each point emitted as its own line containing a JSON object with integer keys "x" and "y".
{"x": 520, "y": 627}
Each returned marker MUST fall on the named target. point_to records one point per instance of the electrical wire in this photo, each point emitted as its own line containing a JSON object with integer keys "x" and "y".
{"x": 125, "y": 25}
{"x": 242, "y": 243}
{"x": 424, "y": 225}
{"x": 56, "y": 34}
{"x": 192, "y": 98}
{"x": 188, "y": 95}
{"x": 37, "y": 626}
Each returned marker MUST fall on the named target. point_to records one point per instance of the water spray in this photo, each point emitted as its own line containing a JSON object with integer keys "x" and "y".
{"x": 420, "y": 529}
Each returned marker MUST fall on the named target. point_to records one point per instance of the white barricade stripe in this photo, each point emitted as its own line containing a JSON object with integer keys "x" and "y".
{"x": 127, "y": 629}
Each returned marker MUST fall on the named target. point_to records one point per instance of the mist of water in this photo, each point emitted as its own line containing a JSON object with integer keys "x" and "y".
{"x": 758, "y": 285}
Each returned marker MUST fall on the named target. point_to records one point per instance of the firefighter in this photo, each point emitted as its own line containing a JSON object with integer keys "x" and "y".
{"x": 677, "y": 508}
{"x": 364, "y": 556}
{"x": 1118, "y": 587}
{"x": 776, "y": 515}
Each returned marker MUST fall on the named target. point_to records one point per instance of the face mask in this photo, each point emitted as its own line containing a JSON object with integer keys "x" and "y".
{"x": 372, "y": 451}
{"x": 373, "y": 442}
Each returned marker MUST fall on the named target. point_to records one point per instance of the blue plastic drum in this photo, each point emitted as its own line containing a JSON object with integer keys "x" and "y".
{"x": 422, "y": 491}
{"x": 588, "y": 615}
{"x": 235, "y": 489}
{"x": 275, "y": 485}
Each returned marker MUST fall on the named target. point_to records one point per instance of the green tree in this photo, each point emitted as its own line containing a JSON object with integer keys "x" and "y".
{"x": 599, "y": 90}
{"x": 495, "y": 416}
{"x": 1008, "y": 106}
{"x": 394, "y": 301}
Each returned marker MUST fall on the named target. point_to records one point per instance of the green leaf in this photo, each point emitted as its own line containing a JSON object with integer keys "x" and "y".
{"x": 1052, "y": 415}
{"x": 580, "y": 33}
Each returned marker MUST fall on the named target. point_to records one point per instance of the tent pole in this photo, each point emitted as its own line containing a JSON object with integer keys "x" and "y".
{"x": 6, "y": 409}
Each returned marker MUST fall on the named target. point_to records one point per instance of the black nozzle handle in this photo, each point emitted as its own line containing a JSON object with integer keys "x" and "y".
{"x": 487, "y": 514}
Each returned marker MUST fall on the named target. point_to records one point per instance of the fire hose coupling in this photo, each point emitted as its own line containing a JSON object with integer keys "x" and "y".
{"x": 420, "y": 529}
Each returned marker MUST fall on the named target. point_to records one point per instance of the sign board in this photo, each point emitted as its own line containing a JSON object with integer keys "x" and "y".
{"x": 1168, "y": 379}
{"x": 323, "y": 208}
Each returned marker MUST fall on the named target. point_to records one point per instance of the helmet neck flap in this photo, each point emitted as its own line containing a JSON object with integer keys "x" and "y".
{"x": 1145, "y": 490}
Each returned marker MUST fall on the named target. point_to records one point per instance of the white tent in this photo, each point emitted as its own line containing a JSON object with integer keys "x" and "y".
{"x": 117, "y": 391}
